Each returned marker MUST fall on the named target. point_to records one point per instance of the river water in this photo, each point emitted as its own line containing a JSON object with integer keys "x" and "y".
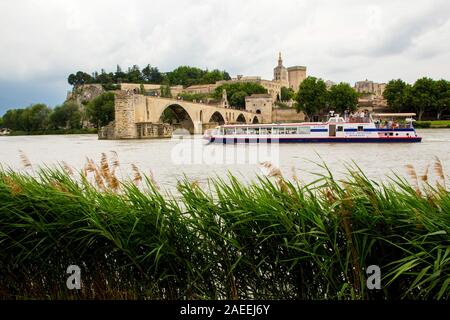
{"x": 170, "y": 159}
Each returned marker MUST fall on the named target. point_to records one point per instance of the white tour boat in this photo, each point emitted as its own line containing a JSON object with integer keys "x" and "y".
{"x": 364, "y": 128}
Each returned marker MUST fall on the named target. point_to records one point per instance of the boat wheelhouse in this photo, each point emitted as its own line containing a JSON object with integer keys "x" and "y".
{"x": 360, "y": 128}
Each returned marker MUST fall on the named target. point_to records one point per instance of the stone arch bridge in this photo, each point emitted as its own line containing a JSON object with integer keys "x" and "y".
{"x": 139, "y": 116}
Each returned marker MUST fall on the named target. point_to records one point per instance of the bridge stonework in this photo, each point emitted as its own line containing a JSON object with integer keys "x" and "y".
{"x": 138, "y": 116}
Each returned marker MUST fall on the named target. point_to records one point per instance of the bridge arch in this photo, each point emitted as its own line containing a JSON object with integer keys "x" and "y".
{"x": 217, "y": 117}
{"x": 240, "y": 118}
{"x": 255, "y": 119}
{"x": 178, "y": 115}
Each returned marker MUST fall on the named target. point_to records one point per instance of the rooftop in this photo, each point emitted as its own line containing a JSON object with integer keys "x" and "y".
{"x": 258, "y": 95}
{"x": 297, "y": 68}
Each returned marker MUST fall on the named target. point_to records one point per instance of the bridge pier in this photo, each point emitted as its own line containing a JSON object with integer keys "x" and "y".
{"x": 198, "y": 127}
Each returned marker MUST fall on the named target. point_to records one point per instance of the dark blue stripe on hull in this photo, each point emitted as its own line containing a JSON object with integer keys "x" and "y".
{"x": 315, "y": 140}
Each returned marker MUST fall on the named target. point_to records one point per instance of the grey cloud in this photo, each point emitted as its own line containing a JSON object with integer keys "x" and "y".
{"x": 42, "y": 42}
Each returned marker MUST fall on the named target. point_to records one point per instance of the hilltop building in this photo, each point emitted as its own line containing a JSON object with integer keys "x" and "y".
{"x": 370, "y": 87}
{"x": 371, "y": 98}
{"x": 290, "y": 77}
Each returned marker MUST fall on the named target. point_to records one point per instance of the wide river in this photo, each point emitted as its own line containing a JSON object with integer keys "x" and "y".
{"x": 170, "y": 159}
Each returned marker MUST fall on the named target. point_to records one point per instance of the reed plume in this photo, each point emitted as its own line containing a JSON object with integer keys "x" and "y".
{"x": 137, "y": 178}
{"x": 115, "y": 157}
{"x": 24, "y": 159}
{"x": 68, "y": 169}
{"x": 152, "y": 179}
{"x": 90, "y": 165}
{"x": 104, "y": 167}
{"x": 294, "y": 175}
{"x": 415, "y": 181}
{"x": 275, "y": 172}
{"x": 439, "y": 171}
{"x": 424, "y": 177}
{"x": 271, "y": 170}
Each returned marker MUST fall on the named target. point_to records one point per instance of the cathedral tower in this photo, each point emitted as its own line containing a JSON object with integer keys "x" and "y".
{"x": 280, "y": 73}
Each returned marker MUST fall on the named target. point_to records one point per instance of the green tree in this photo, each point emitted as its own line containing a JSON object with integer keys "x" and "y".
{"x": 35, "y": 117}
{"x": 193, "y": 96}
{"x": 442, "y": 91}
{"x": 152, "y": 75}
{"x": 342, "y": 97}
{"x": 237, "y": 99}
{"x": 240, "y": 88}
{"x": 100, "y": 110}
{"x": 226, "y": 75}
{"x": 119, "y": 75}
{"x": 79, "y": 78}
{"x": 11, "y": 119}
{"x": 312, "y": 96}
{"x": 212, "y": 76}
{"x": 185, "y": 76}
{"x": 66, "y": 116}
{"x": 105, "y": 78}
{"x": 165, "y": 91}
{"x": 134, "y": 75}
{"x": 142, "y": 89}
{"x": 286, "y": 94}
{"x": 396, "y": 95}
{"x": 188, "y": 76}
{"x": 423, "y": 96}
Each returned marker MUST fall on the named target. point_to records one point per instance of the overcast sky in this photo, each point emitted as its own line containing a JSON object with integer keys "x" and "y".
{"x": 41, "y": 42}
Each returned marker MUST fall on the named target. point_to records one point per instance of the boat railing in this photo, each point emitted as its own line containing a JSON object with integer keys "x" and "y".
{"x": 393, "y": 125}
{"x": 353, "y": 119}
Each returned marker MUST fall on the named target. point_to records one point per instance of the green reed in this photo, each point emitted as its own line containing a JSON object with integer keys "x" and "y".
{"x": 269, "y": 239}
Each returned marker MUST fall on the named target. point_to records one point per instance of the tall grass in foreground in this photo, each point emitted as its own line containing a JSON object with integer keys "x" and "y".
{"x": 270, "y": 239}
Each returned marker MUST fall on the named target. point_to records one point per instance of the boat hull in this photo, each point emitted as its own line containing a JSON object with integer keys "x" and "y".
{"x": 235, "y": 140}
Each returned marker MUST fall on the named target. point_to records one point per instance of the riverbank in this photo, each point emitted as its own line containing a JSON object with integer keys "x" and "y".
{"x": 434, "y": 124}
{"x": 268, "y": 239}
{"x": 53, "y": 132}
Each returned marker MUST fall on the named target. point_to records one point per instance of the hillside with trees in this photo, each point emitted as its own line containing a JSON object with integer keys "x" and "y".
{"x": 183, "y": 75}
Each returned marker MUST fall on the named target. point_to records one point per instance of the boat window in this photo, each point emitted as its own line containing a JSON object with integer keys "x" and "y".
{"x": 241, "y": 130}
{"x": 304, "y": 130}
{"x": 360, "y": 128}
{"x": 229, "y": 130}
{"x": 291, "y": 130}
{"x": 391, "y": 133}
{"x": 253, "y": 131}
{"x": 340, "y": 128}
{"x": 278, "y": 130}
